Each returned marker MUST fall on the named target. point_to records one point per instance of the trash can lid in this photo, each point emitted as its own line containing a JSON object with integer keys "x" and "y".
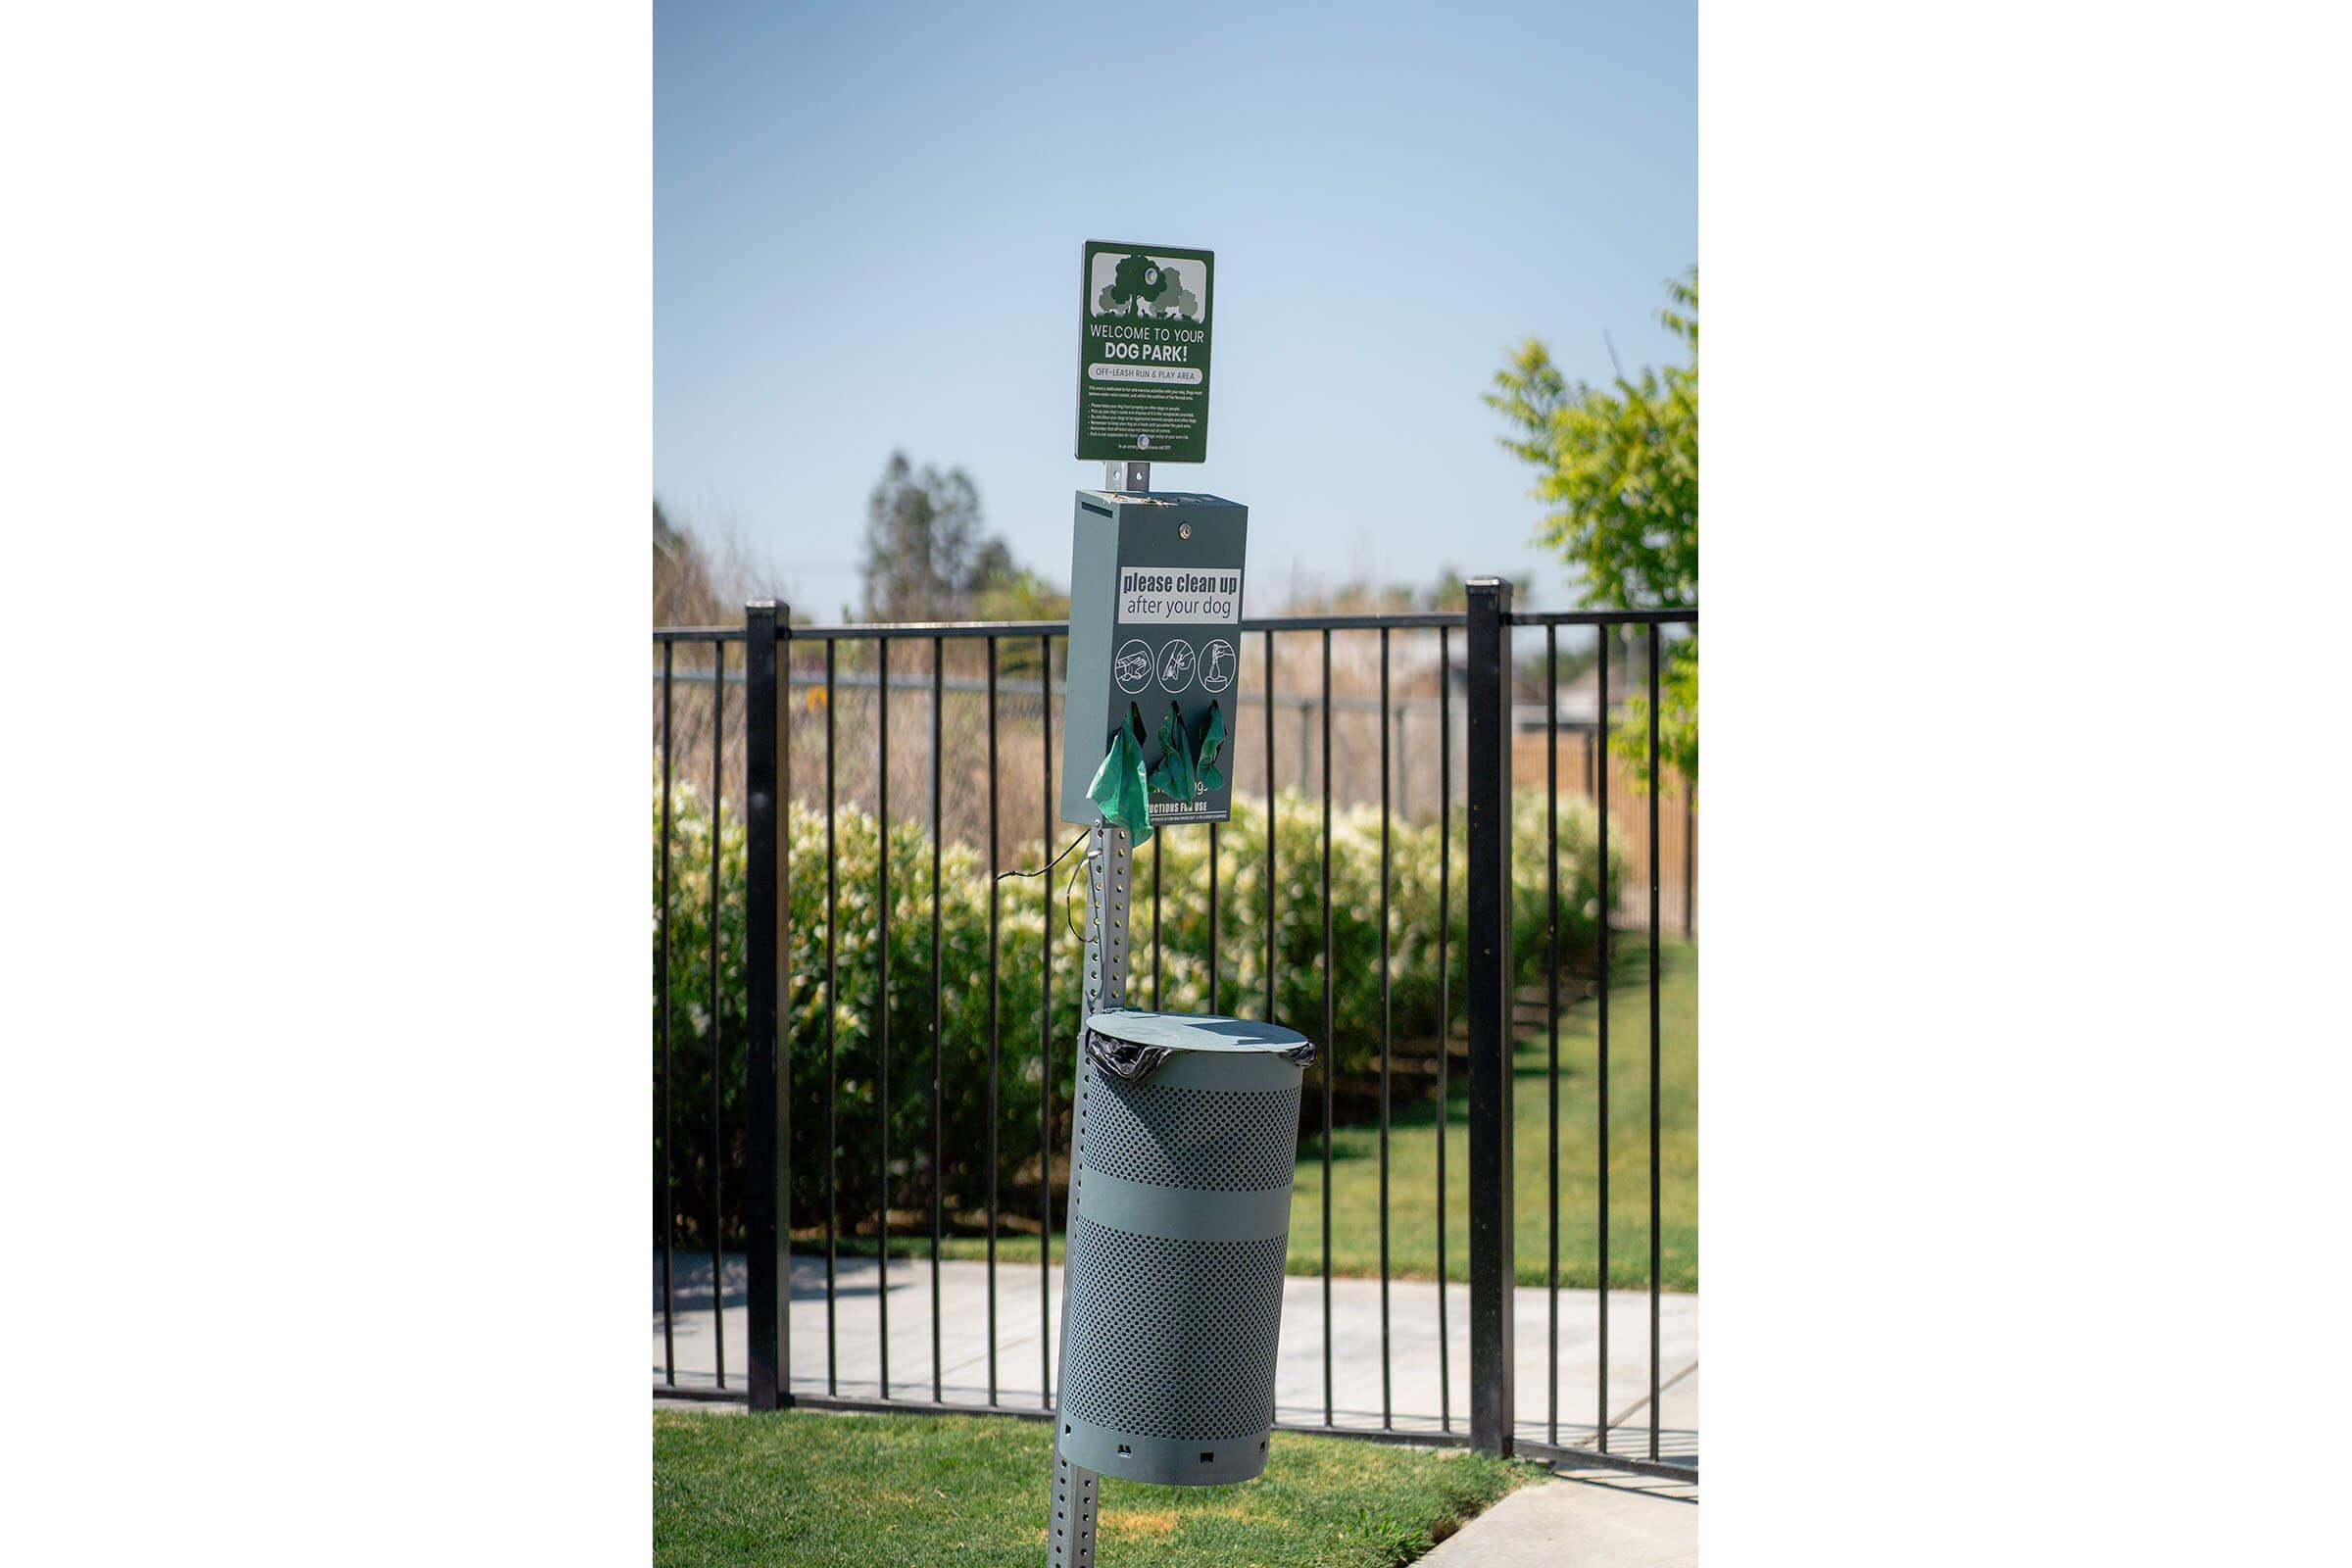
{"x": 1130, "y": 1041}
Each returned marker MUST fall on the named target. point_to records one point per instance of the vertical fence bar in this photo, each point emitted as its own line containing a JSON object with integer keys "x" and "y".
{"x": 1404, "y": 774}
{"x": 1045, "y": 1031}
{"x": 1213, "y": 917}
{"x": 832, "y": 1073}
{"x": 1690, "y": 857}
{"x": 939, "y": 992}
{"x": 1552, "y": 988}
{"x": 1387, "y": 1035}
{"x": 767, "y": 1078}
{"x": 1444, "y": 1002}
{"x": 1601, "y": 1078}
{"x": 1656, "y": 782}
{"x": 1331, "y": 1049}
{"x": 882, "y": 998}
{"x": 1270, "y": 828}
{"x": 994, "y": 1045}
{"x": 669, "y": 1207}
{"x": 718, "y": 1145}
{"x": 786, "y": 987}
{"x": 1489, "y": 952}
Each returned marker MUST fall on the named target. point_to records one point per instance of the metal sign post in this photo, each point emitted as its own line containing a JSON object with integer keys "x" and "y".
{"x": 1133, "y": 375}
{"x": 1173, "y": 1263}
{"x": 1076, "y": 1488}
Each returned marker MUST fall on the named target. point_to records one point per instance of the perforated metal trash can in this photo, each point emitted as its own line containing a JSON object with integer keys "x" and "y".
{"x": 1187, "y": 1132}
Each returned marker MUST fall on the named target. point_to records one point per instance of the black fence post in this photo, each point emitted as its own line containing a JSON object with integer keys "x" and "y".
{"x": 1488, "y": 959}
{"x": 767, "y": 1070}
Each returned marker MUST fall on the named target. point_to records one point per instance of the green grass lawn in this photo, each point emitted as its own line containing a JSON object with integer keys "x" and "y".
{"x": 1413, "y": 1152}
{"x": 816, "y": 1491}
{"x": 1413, "y": 1156}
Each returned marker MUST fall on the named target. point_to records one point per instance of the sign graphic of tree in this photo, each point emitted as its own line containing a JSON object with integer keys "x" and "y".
{"x": 1142, "y": 285}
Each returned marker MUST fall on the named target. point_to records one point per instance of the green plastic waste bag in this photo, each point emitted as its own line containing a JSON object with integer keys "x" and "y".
{"x": 1212, "y": 746}
{"x": 1174, "y": 776}
{"x": 1119, "y": 787}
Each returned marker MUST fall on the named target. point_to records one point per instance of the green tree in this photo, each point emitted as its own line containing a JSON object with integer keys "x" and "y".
{"x": 1450, "y": 591}
{"x": 1618, "y": 472}
{"x": 926, "y": 558}
{"x": 1017, "y": 593}
{"x": 924, "y": 550}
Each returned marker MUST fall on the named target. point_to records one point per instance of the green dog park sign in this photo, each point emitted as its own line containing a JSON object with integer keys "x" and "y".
{"x": 1143, "y": 352}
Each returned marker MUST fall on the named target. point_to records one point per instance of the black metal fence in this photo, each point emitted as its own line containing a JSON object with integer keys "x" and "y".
{"x": 752, "y": 1153}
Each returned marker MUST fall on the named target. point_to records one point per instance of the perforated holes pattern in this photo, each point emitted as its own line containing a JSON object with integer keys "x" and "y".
{"x": 1214, "y": 1140}
{"x": 1172, "y": 1338}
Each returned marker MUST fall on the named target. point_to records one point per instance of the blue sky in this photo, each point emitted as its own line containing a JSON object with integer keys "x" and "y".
{"x": 866, "y": 232}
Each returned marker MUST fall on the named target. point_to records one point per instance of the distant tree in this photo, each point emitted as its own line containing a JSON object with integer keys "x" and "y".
{"x": 926, "y": 559}
{"x": 694, "y": 587}
{"x": 924, "y": 553}
{"x": 1019, "y": 594}
{"x": 992, "y": 562}
{"x": 683, "y": 593}
{"x": 1619, "y": 468}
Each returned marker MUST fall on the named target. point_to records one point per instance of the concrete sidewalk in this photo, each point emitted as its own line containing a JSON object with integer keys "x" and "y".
{"x": 1413, "y": 1383}
{"x": 1592, "y": 1518}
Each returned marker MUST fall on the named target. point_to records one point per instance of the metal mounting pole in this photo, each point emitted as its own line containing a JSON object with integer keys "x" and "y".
{"x": 1135, "y": 477}
{"x": 1076, "y": 1488}
{"x": 1076, "y": 1498}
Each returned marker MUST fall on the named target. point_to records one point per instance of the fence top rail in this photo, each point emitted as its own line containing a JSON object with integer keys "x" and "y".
{"x": 881, "y": 630}
{"x": 1402, "y": 620}
{"x": 1060, "y": 628}
{"x": 1604, "y": 618}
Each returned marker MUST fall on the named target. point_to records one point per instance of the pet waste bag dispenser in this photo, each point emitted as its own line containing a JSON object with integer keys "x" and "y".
{"x": 1155, "y": 609}
{"x": 1183, "y": 1129}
